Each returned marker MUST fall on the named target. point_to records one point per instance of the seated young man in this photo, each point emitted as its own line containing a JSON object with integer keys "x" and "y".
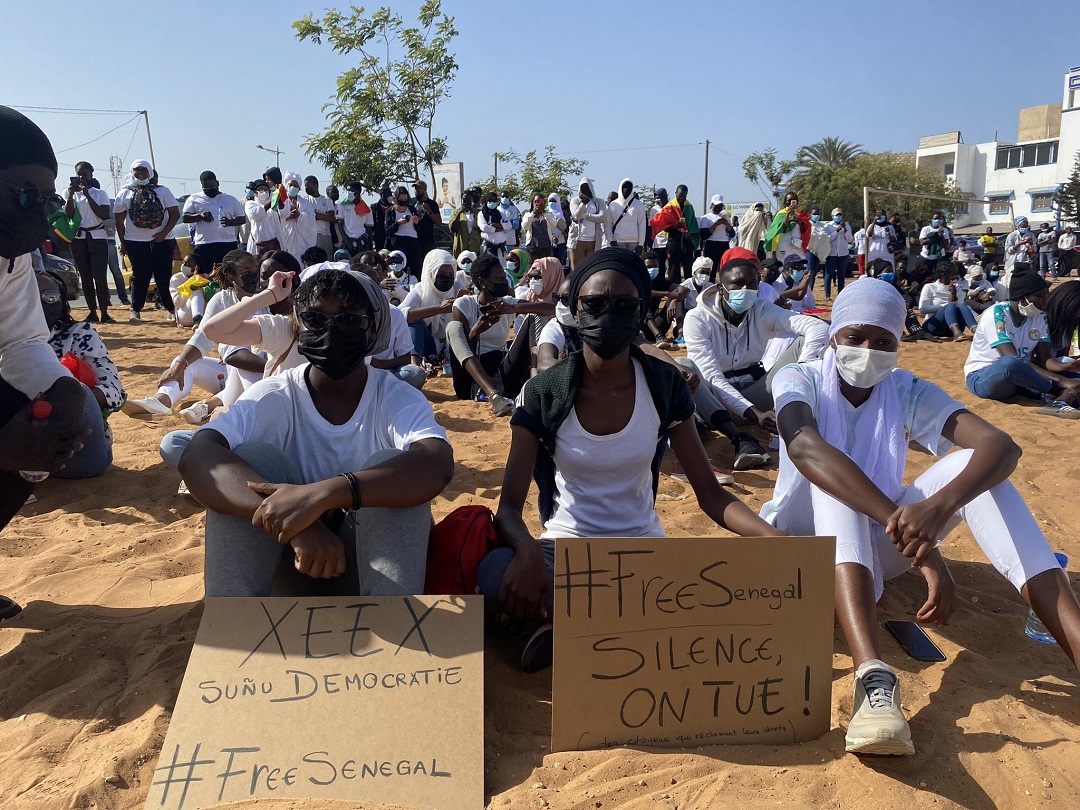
{"x": 1011, "y": 350}
{"x": 593, "y": 429}
{"x": 663, "y": 294}
{"x": 942, "y": 303}
{"x": 335, "y": 435}
{"x": 846, "y": 421}
{"x": 727, "y": 335}
{"x": 477, "y": 336}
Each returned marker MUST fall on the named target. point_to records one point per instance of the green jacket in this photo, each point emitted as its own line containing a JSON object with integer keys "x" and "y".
{"x": 463, "y": 240}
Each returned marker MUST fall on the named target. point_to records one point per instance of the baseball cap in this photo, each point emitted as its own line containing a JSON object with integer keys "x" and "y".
{"x": 419, "y": 184}
{"x": 717, "y": 199}
{"x": 793, "y": 259}
{"x": 836, "y": 211}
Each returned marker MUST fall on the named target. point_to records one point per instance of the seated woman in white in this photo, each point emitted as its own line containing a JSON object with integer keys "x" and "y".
{"x": 189, "y": 303}
{"x": 846, "y": 421}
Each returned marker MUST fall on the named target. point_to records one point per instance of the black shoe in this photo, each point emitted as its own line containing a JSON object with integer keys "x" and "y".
{"x": 539, "y": 650}
{"x": 91, "y": 318}
{"x": 8, "y": 608}
{"x": 107, "y": 319}
{"x": 748, "y": 453}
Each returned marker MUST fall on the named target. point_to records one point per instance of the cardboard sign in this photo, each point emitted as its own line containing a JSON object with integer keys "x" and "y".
{"x": 661, "y": 641}
{"x": 377, "y": 699}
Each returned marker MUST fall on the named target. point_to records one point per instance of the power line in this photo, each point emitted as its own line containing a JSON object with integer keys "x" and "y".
{"x": 74, "y": 110}
{"x": 98, "y": 138}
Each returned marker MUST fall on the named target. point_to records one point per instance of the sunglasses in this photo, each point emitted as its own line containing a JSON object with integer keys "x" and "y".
{"x": 597, "y": 305}
{"x": 344, "y": 321}
{"x": 31, "y": 197}
{"x": 50, "y": 297}
{"x": 563, "y": 299}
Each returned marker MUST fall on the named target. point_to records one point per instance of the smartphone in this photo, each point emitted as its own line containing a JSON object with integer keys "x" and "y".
{"x": 76, "y": 182}
{"x": 486, "y": 309}
{"x": 914, "y": 641}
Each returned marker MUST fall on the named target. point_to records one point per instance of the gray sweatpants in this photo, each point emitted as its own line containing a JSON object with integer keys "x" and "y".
{"x": 385, "y": 549}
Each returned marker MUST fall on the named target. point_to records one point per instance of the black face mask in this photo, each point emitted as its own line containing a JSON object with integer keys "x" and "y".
{"x": 22, "y": 230}
{"x": 609, "y": 334}
{"x": 211, "y": 192}
{"x": 443, "y": 283}
{"x": 501, "y": 290}
{"x": 249, "y": 283}
{"x": 333, "y": 352}
{"x": 53, "y": 313}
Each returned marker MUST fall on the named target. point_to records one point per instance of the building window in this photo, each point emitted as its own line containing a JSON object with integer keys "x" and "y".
{"x": 1044, "y": 153}
{"x": 1042, "y": 202}
{"x": 999, "y": 205}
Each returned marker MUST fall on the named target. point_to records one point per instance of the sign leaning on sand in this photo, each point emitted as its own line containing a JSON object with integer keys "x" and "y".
{"x": 673, "y": 642}
{"x": 377, "y": 699}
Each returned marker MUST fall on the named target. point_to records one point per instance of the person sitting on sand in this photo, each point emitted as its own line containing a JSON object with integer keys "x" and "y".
{"x": 793, "y": 285}
{"x": 189, "y": 303}
{"x": 1063, "y": 325}
{"x": 478, "y": 334}
{"x": 846, "y": 421}
{"x": 979, "y": 292}
{"x": 333, "y": 436}
{"x": 664, "y": 293}
{"x": 1010, "y": 354}
{"x": 79, "y": 348}
{"x": 942, "y": 303}
{"x": 581, "y": 430}
{"x": 223, "y": 379}
{"x": 429, "y": 305}
{"x": 727, "y": 335}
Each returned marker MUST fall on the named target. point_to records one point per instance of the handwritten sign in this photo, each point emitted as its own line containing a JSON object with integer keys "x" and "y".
{"x": 689, "y": 642}
{"x": 374, "y": 699}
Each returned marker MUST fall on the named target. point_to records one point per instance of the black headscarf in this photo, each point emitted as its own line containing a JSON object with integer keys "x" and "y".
{"x": 620, "y": 260}
{"x": 23, "y": 142}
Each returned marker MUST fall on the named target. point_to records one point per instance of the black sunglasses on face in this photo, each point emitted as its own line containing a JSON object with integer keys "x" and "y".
{"x": 31, "y": 197}
{"x": 561, "y": 299}
{"x": 597, "y": 305}
{"x": 345, "y": 321}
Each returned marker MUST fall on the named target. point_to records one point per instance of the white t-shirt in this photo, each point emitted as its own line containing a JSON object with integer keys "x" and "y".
{"x": 767, "y": 292}
{"x": 603, "y": 484}
{"x": 134, "y": 234}
{"x": 781, "y": 285}
{"x": 437, "y": 323}
{"x": 720, "y": 234}
{"x": 553, "y": 333}
{"x": 323, "y": 205}
{"x": 223, "y": 205}
{"x": 494, "y": 339}
{"x": 860, "y": 242}
{"x": 877, "y": 245}
{"x": 400, "y": 338}
{"x": 278, "y": 338}
{"x": 839, "y": 238}
{"x": 997, "y": 327}
{"x": 89, "y": 218}
{"x": 692, "y": 293}
{"x": 355, "y": 224}
{"x": 659, "y": 240}
{"x": 279, "y": 411}
{"x": 938, "y": 247}
{"x": 406, "y": 228}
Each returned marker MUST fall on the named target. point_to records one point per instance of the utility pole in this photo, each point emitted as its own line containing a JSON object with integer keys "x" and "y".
{"x": 496, "y": 172}
{"x": 705, "y": 187}
{"x": 146, "y": 119}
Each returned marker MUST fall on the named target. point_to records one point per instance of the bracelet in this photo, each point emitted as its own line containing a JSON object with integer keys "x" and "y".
{"x": 181, "y": 360}
{"x": 354, "y": 485}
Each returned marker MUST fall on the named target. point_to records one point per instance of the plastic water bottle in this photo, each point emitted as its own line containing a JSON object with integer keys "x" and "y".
{"x": 40, "y": 411}
{"x": 1034, "y": 628}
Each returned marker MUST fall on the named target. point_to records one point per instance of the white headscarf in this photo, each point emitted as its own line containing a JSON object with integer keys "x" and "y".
{"x": 557, "y": 211}
{"x": 288, "y": 177}
{"x": 429, "y": 296}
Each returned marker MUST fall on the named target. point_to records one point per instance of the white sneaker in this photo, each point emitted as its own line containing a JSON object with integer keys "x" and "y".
{"x": 171, "y": 317}
{"x": 134, "y": 317}
{"x": 501, "y": 406}
{"x": 878, "y": 725}
{"x": 196, "y": 414}
{"x": 149, "y": 405}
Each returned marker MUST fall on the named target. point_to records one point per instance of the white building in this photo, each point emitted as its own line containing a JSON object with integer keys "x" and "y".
{"x": 1019, "y": 176}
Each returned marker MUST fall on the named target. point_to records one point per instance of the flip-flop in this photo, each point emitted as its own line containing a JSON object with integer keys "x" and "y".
{"x": 8, "y": 608}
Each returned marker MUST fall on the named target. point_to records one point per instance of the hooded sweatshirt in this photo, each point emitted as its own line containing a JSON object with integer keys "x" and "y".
{"x": 589, "y": 218}
{"x": 719, "y": 347}
{"x": 627, "y": 219}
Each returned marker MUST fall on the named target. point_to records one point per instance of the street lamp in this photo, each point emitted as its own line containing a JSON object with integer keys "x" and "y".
{"x": 277, "y": 153}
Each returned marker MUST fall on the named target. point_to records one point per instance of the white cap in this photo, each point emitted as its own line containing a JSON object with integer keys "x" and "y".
{"x": 717, "y": 199}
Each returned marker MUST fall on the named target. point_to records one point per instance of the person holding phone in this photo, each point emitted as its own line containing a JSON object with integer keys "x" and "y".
{"x": 401, "y": 221}
{"x": 942, "y": 304}
{"x": 845, "y": 422}
{"x": 89, "y": 247}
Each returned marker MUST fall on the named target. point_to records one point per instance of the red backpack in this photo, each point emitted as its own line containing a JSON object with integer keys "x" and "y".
{"x": 457, "y": 545}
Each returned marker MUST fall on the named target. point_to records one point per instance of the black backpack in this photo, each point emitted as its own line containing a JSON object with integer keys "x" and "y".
{"x": 145, "y": 210}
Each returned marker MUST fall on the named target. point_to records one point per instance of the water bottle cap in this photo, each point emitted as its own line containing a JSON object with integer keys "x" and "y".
{"x": 1063, "y": 559}
{"x": 40, "y": 409}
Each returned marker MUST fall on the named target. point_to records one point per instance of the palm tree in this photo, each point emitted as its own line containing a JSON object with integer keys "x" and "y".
{"x": 828, "y": 153}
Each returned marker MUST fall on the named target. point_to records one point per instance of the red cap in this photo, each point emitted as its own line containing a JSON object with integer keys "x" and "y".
{"x": 738, "y": 253}
{"x": 41, "y": 409}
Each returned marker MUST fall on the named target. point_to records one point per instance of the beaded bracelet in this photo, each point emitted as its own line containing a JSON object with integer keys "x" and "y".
{"x": 354, "y": 485}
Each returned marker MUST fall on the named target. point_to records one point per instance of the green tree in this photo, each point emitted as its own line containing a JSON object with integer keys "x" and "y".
{"x": 830, "y": 153}
{"x": 763, "y": 167}
{"x": 1068, "y": 198}
{"x": 535, "y": 173}
{"x": 380, "y": 122}
{"x": 896, "y": 171}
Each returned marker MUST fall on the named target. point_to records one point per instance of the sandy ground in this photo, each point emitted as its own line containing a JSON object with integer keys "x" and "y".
{"x": 110, "y": 574}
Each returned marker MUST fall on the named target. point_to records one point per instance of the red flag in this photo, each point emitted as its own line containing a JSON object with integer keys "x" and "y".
{"x": 667, "y": 217}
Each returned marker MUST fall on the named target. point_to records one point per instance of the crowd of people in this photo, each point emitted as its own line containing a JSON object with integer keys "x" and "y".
{"x": 315, "y": 323}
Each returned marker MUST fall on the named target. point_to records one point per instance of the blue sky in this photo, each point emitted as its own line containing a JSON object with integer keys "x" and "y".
{"x": 598, "y": 79}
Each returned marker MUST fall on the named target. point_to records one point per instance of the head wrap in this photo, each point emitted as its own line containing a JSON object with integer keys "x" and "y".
{"x": 1023, "y": 220}
{"x": 22, "y": 142}
{"x": 380, "y": 307}
{"x": 551, "y": 273}
{"x": 869, "y": 302}
{"x": 523, "y": 262}
{"x": 289, "y": 177}
{"x": 465, "y": 254}
{"x": 621, "y": 261}
{"x": 429, "y": 296}
{"x": 142, "y": 164}
{"x": 557, "y": 211}
{"x": 703, "y": 263}
{"x": 400, "y": 255}
{"x": 1024, "y": 282}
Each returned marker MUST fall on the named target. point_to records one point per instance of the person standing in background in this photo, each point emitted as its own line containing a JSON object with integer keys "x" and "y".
{"x": 716, "y": 230}
{"x": 464, "y": 228}
{"x": 657, "y": 242}
{"x": 428, "y": 212}
{"x": 1066, "y": 245}
{"x": 325, "y": 214}
{"x": 989, "y": 248}
{"x": 820, "y": 245}
{"x": 113, "y": 257}
{"x": 936, "y": 241}
{"x": 357, "y": 220}
{"x": 537, "y": 226}
{"x": 512, "y": 215}
{"x": 558, "y": 238}
{"x": 627, "y": 218}
{"x": 588, "y": 215}
{"x": 1046, "y": 241}
{"x": 145, "y": 215}
{"x": 682, "y": 239}
{"x": 216, "y": 216}
{"x": 1020, "y": 247}
{"x": 263, "y": 220}
{"x": 88, "y": 248}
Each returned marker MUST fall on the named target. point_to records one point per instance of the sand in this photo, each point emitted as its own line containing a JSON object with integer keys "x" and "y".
{"x": 110, "y": 574}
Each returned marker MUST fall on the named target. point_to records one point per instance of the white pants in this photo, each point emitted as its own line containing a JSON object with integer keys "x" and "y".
{"x": 999, "y": 520}
{"x": 188, "y": 308}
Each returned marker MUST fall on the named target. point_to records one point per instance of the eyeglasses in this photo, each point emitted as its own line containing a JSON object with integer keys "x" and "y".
{"x": 597, "y": 305}
{"x": 31, "y": 197}
{"x": 344, "y": 321}
{"x": 50, "y": 297}
{"x": 563, "y": 299}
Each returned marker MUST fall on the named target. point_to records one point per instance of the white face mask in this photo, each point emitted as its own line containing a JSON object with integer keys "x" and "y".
{"x": 263, "y": 196}
{"x": 1029, "y": 310}
{"x": 863, "y": 368}
{"x": 187, "y": 271}
{"x": 563, "y": 316}
{"x": 701, "y": 279}
{"x": 536, "y": 285}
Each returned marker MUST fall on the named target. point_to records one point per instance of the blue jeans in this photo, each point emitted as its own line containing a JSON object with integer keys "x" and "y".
{"x": 1008, "y": 376}
{"x": 96, "y": 454}
{"x": 941, "y": 322}
{"x": 422, "y": 340}
{"x": 492, "y": 569}
{"x": 813, "y": 264}
{"x": 835, "y": 270}
{"x": 173, "y": 446}
{"x": 1046, "y": 263}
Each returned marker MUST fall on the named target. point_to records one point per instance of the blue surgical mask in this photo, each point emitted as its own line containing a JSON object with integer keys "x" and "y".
{"x": 397, "y": 267}
{"x": 888, "y": 278}
{"x": 1025, "y": 230}
{"x": 936, "y": 223}
{"x": 492, "y": 206}
{"x": 838, "y": 219}
{"x": 815, "y": 217}
{"x": 249, "y": 194}
{"x": 880, "y": 220}
{"x": 510, "y": 267}
{"x": 741, "y": 300}
{"x": 797, "y": 276}
{"x": 293, "y": 192}
{"x": 653, "y": 272}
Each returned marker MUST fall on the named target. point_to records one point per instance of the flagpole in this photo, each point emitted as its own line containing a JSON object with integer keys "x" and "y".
{"x": 705, "y": 189}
